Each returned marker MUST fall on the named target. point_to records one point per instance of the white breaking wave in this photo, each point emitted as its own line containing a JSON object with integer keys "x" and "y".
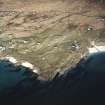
{"x": 27, "y": 64}
{"x": 12, "y": 59}
{"x": 95, "y": 48}
{"x": 24, "y": 63}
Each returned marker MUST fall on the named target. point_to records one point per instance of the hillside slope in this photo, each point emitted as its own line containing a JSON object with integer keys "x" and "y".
{"x": 52, "y": 35}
